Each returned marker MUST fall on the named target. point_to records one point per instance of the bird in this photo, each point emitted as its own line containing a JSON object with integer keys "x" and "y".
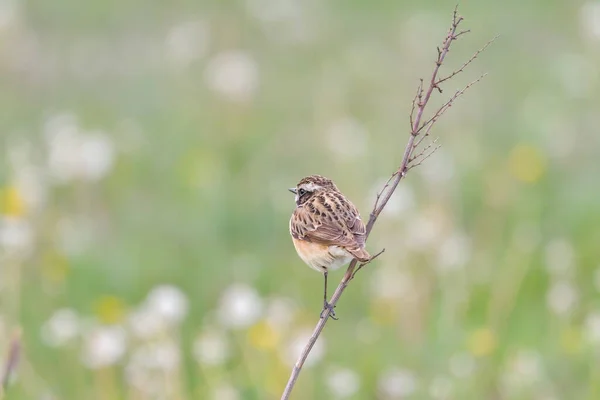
{"x": 326, "y": 228}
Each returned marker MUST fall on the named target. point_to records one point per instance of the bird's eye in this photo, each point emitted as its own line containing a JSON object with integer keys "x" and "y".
{"x": 301, "y": 192}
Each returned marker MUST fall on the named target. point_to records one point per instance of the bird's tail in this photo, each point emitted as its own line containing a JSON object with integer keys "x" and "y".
{"x": 360, "y": 254}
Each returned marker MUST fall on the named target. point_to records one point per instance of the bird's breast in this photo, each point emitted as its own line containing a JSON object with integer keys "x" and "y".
{"x": 321, "y": 257}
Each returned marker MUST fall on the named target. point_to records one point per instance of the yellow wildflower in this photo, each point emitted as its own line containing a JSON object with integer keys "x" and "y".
{"x": 526, "y": 163}
{"x": 482, "y": 342}
{"x": 12, "y": 203}
{"x": 263, "y": 336}
{"x": 109, "y": 309}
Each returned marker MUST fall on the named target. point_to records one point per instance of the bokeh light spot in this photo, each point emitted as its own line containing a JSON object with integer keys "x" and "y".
{"x": 55, "y": 267}
{"x": 110, "y": 309}
{"x": 526, "y": 163}
{"x": 12, "y": 203}
{"x": 571, "y": 340}
{"x": 482, "y": 342}
{"x": 383, "y": 311}
{"x": 263, "y": 336}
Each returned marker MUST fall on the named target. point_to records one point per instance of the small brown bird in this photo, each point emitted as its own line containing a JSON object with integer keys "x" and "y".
{"x": 326, "y": 228}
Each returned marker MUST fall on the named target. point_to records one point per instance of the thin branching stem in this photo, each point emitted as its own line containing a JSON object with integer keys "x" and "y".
{"x": 11, "y": 362}
{"x": 469, "y": 61}
{"x": 419, "y": 104}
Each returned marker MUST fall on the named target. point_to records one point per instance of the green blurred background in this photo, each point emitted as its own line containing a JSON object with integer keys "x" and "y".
{"x": 146, "y": 149}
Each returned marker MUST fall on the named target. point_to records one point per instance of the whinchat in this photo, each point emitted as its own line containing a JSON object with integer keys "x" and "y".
{"x": 326, "y": 228}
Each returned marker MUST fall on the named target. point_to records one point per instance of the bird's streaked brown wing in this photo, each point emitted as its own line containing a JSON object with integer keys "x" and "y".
{"x": 331, "y": 220}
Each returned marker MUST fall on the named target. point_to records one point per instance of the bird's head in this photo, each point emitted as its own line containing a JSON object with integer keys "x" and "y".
{"x": 311, "y": 185}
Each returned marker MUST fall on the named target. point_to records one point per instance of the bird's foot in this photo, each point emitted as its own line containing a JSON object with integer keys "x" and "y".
{"x": 330, "y": 308}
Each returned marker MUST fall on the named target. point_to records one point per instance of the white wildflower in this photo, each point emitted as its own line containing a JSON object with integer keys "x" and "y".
{"x": 16, "y": 235}
{"x": 397, "y": 383}
{"x": 454, "y": 252}
{"x": 211, "y": 348}
{"x": 401, "y": 202}
{"x": 347, "y": 137}
{"x": 75, "y": 154}
{"x": 26, "y": 176}
{"x": 186, "y": 42}
{"x": 96, "y": 154}
{"x": 559, "y": 257}
{"x": 233, "y": 75}
{"x": 30, "y": 185}
{"x": 389, "y": 282}
{"x": 163, "y": 355}
{"x": 103, "y": 346}
{"x": 280, "y": 312}
{"x": 425, "y": 232}
{"x": 169, "y": 302}
{"x": 296, "y": 346}
{"x": 562, "y": 297}
{"x": 343, "y": 382}
{"x": 146, "y": 323}
{"x": 522, "y": 372}
{"x": 62, "y": 327}
{"x": 240, "y": 306}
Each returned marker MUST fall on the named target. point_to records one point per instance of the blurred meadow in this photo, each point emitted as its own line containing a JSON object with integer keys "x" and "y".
{"x": 146, "y": 149}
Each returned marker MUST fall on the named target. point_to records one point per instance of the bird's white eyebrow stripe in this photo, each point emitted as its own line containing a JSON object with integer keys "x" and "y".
{"x": 310, "y": 187}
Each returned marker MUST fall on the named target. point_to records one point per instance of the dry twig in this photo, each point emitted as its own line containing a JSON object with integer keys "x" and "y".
{"x": 11, "y": 363}
{"x": 409, "y": 161}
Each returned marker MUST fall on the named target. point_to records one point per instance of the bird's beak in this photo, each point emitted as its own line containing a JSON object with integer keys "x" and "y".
{"x": 293, "y": 190}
